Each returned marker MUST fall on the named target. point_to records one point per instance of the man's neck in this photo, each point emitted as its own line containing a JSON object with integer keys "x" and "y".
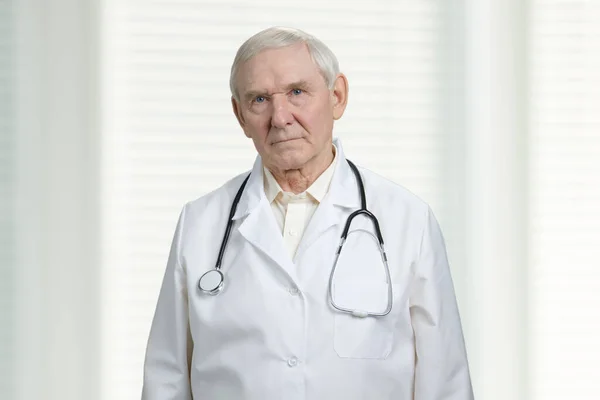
{"x": 298, "y": 180}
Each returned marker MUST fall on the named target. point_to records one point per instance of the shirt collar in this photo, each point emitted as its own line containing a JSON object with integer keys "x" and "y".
{"x": 317, "y": 190}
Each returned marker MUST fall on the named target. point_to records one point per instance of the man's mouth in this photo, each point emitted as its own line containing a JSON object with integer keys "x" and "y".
{"x": 285, "y": 140}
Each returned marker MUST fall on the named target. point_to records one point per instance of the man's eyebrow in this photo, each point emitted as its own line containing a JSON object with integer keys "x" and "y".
{"x": 301, "y": 84}
{"x": 253, "y": 93}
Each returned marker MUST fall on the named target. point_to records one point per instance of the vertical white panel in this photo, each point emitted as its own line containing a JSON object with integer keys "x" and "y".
{"x": 7, "y": 184}
{"x": 496, "y": 206}
{"x": 56, "y": 247}
{"x": 170, "y": 136}
{"x": 565, "y": 207}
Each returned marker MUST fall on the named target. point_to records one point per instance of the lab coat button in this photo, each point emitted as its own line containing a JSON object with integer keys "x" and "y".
{"x": 293, "y": 291}
{"x": 292, "y": 362}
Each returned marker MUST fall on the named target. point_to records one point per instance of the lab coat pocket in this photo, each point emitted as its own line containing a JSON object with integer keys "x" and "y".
{"x": 369, "y": 337}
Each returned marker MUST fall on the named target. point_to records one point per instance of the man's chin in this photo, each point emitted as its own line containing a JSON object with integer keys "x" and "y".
{"x": 290, "y": 160}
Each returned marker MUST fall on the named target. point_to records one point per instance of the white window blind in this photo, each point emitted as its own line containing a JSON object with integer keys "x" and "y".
{"x": 169, "y": 134}
{"x": 7, "y": 170}
{"x": 565, "y": 205}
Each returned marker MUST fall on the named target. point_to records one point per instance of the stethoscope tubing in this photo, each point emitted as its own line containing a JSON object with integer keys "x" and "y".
{"x": 218, "y": 284}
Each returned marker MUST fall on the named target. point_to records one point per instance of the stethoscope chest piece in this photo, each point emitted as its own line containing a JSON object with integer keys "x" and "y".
{"x": 211, "y": 282}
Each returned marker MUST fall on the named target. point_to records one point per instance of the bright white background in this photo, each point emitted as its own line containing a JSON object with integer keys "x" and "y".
{"x": 114, "y": 113}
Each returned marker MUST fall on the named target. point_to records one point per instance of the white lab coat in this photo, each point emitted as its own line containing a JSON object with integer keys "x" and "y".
{"x": 272, "y": 333}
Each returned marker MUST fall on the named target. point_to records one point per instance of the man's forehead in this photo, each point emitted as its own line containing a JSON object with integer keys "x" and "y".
{"x": 271, "y": 69}
{"x": 273, "y": 82}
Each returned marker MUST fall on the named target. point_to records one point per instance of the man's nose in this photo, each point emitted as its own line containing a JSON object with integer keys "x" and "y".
{"x": 282, "y": 115}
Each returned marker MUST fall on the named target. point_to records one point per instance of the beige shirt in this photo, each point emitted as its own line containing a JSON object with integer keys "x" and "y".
{"x": 294, "y": 211}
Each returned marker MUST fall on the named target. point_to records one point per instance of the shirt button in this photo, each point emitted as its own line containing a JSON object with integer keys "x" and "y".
{"x": 292, "y": 232}
{"x": 293, "y": 291}
{"x": 292, "y": 362}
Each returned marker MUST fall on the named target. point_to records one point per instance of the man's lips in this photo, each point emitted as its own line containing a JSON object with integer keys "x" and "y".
{"x": 285, "y": 140}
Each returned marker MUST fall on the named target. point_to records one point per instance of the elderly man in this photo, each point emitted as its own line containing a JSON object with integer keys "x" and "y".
{"x": 299, "y": 299}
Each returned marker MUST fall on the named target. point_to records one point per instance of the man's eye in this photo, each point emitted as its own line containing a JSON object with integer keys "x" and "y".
{"x": 297, "y": 91}
{"x": 259, "y": 99}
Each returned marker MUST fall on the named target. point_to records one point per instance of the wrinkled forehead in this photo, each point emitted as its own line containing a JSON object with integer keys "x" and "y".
{"x": 273, "y": 70}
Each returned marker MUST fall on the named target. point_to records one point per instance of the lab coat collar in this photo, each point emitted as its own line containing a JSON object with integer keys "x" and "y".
{"x": 253, "y": 193}
{"x": 343, "y": 191}
{"x": 260, "y": 227}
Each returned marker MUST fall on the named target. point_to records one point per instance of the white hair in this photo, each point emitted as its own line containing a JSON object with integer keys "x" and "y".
{"x": 276, "y": 37}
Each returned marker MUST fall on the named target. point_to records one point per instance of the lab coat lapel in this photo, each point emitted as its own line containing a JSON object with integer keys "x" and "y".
{"x": 259, "y": 226}
{"x": 342, "y": 198}
{"x": 326, "y": 216}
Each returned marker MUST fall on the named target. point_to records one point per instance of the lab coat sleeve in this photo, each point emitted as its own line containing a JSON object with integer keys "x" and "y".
{"x": 441, "y": 370}
{"x": 169, "y": 347}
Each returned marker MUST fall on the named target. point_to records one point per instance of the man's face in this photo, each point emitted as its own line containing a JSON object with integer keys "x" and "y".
{"x": 286, "y": 107}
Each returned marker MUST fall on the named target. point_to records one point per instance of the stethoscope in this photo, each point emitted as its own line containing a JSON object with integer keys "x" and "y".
{"x": 211, "y": 282}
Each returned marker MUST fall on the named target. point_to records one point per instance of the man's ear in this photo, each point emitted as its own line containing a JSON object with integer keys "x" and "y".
{"x": 340, "y": 96}
{"x": 237, "y": 110}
